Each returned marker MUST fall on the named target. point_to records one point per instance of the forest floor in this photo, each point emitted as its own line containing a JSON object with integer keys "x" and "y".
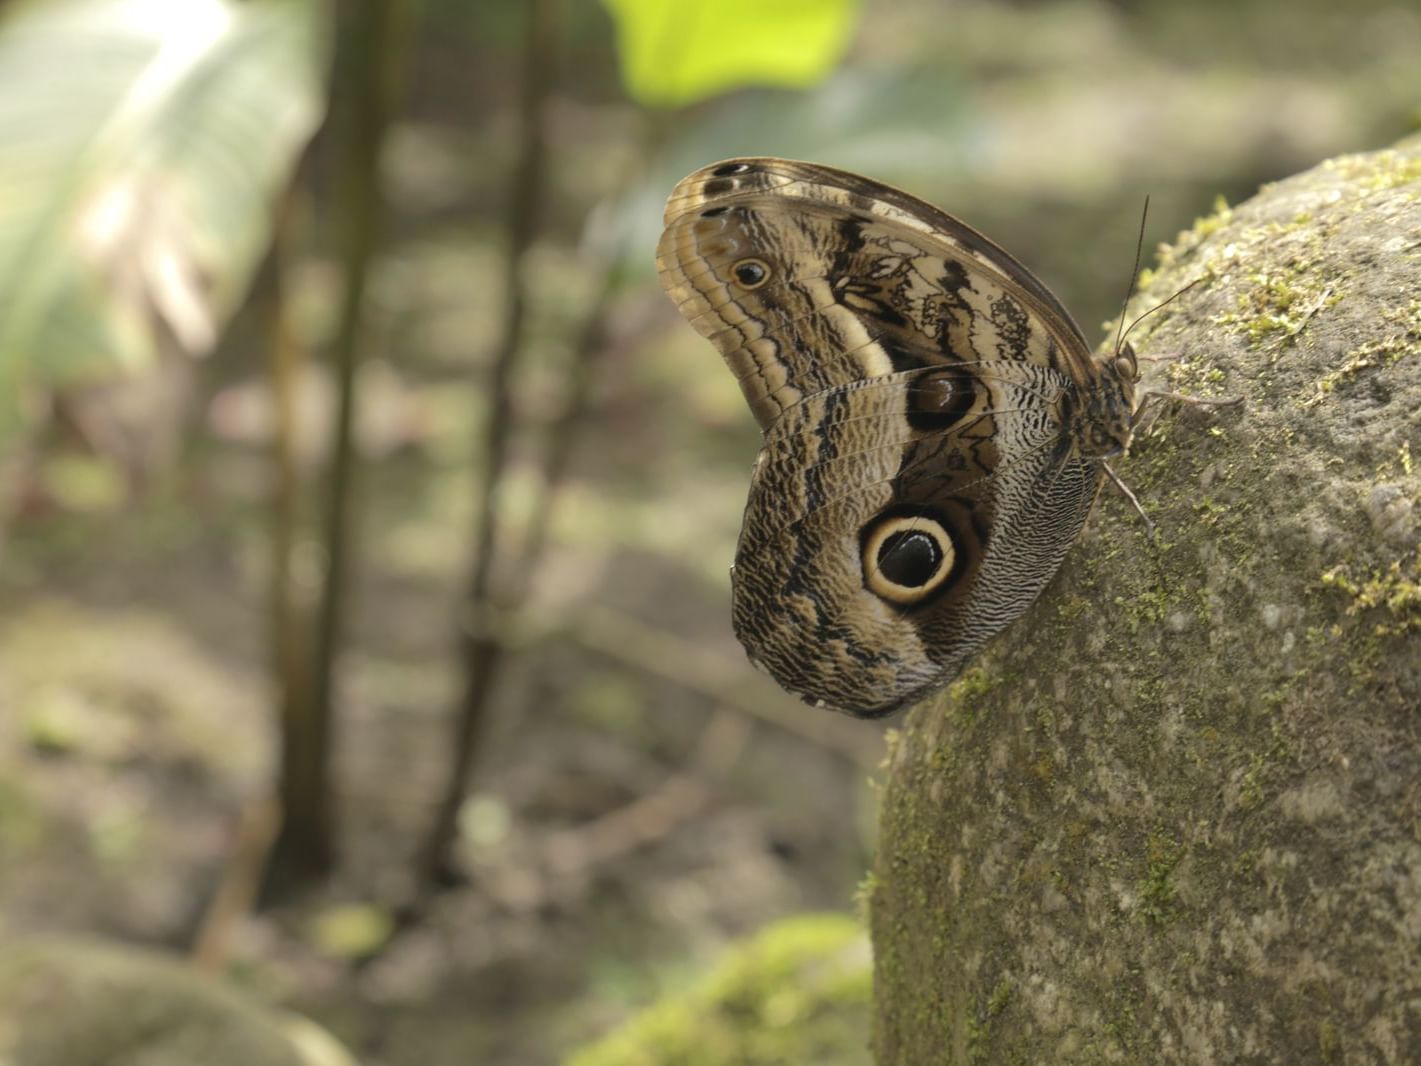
{"x": 630, "y": 816}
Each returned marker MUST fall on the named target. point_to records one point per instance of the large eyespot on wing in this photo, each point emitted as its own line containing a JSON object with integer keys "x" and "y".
{"x": 895, "y": 525}
{"x": 840, "y": 618}
{"x": 868, "y": 601}
{"x": 864, "y": 532}
{"x": 908, "y": 556}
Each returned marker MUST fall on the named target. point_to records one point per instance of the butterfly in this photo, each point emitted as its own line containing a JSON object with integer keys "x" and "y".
{"x": 935, "y": 426}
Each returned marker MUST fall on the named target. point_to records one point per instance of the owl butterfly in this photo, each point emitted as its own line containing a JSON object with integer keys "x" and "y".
{"x": 935, "y": 425}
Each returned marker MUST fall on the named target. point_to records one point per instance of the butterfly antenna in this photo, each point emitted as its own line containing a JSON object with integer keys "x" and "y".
{"x": 1158, "y": 306}
{"x": 1134, "y": 276}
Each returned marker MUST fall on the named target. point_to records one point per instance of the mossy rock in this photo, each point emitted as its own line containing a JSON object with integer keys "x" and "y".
{"x": 1173, "y": 815}
{"x": 73, "y": 1003}
{"x": 796, "y": 993}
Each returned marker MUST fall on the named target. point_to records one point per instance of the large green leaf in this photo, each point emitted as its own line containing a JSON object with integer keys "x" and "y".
{"x": 680, "y": 51}
{"x": 142, "y": 143}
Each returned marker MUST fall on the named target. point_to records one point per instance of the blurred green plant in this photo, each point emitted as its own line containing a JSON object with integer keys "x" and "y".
{"x": 676, "y": 52}
{"x": 142, "y": 144}
{"x": 350, "y": 930}
{"x": 797, "y": 992}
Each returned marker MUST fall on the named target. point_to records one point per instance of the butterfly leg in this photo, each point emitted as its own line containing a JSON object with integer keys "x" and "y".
{"x": 1134, "y": 501}
{"x": 1141, "y": 412}
{"x": 1196, "y": 401}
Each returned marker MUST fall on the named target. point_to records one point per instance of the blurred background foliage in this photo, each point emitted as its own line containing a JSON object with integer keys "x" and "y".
{"x": 140, "y": 144}
{"x": 530, "y": 783}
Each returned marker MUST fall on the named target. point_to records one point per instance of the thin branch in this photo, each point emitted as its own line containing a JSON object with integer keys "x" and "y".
{"x": 682, "y": 797}
{"x": 290, "y": 602}
{"x": 563, "y": 433}
{"x": 241, "y": 881}
{"x": 480, "y": 652}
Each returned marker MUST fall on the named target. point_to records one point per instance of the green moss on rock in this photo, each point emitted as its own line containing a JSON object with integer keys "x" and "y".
{"x": 796, "y": 993}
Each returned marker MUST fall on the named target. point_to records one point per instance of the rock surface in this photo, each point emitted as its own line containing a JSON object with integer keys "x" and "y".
{"x": 1173, "y": 815}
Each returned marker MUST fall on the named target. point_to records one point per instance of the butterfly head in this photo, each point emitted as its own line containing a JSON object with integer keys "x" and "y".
{"x": 1102, "y": 427}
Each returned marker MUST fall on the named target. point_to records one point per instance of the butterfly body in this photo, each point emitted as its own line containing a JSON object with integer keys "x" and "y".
{"x": 934, "y": 423}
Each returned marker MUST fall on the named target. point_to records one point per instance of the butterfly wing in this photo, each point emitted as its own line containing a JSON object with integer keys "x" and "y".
{"x": 917, "y": 486}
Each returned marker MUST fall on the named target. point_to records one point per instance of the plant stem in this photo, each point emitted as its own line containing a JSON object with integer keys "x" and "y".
{"x": 479, "y": 650}
{"x": 372, "y": 41}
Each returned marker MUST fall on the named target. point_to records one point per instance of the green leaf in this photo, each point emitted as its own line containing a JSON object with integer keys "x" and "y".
{"x": 679, "y": 51}
{"x": 142, "y": 144}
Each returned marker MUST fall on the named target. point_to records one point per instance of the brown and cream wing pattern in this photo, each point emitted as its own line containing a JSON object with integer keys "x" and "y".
{"x": 867, "y": 280}
{"x": 917, "y": 486}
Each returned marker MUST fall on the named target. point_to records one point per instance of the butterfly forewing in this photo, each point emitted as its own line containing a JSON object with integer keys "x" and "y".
{"x": 784, "y": 180}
